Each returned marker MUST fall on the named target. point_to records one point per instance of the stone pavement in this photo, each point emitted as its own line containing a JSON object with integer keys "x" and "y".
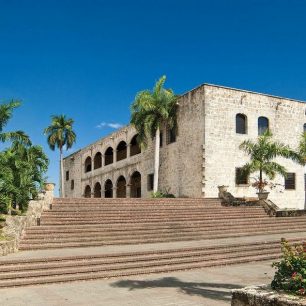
{"x": 209, "y": 287}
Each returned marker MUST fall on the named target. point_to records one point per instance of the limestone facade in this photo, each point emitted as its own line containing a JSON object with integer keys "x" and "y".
{"x": 204, "y": 155}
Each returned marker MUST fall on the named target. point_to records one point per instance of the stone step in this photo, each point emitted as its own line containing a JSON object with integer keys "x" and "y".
{"x": 96, "y": 241}
{"x": 30, "y": 271}
{"x": 82, "y": 232}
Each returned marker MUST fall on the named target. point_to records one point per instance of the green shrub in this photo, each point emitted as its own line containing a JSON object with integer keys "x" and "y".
{"x": 290, "y": 275}
{"x": 159, "y": 194}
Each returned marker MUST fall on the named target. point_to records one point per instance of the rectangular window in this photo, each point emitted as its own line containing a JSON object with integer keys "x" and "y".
{"x": 290, "y": 181}
{"x": 241, "y": 177}
{"x": 171, "y": 135}
{"x": 150, "y": 182}
{"x": 67, "y": 175}
{"x": 72, "y": 184}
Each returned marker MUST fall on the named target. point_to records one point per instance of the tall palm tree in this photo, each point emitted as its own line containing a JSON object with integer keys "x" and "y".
{"x": 6, "y": 113}
{"x": 150, "y": 110}
{"x": 262, "y": 153}
{"x": 60, "y": 135}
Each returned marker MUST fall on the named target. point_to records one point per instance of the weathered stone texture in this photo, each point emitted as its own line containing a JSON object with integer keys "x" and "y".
{"x": 222, "y": 154}
{"x": 206, "y": 152}
{"x": 15, "y": 225}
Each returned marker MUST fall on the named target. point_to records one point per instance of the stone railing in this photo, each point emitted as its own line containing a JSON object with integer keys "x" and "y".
{"x": 15, "y": 225}
{"x": 273, "y": 210}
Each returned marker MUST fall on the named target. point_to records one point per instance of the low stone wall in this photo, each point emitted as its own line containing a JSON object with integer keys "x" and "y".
{"x": 16, "y": 225}
{"x": 264, "y": 296}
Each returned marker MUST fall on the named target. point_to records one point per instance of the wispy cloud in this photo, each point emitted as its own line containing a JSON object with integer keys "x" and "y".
{"x": 113, "y": 125}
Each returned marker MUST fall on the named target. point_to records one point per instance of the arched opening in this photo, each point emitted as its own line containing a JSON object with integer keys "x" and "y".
{"x": 87, "y": 192}
{"x": 98, "y": 161}
{"x": 108, "y": 156}
{"x": 121, "y": 150}
{"x": 135, "y": 147}
{"x": 136, "y": 185}
{"x": 88, "y": 164}
{"x": 241, "y": 124}
{"x": 97, "y": 190}
{"x": 263, "y": 125}
{"x": 108, "y": 189}
{"x": 121, "y": 187}
{"x": 304, "y": 127}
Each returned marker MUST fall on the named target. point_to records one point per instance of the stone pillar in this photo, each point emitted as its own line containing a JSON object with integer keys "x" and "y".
{"x": 115, "y": 156}
{"x": 103, "y": 160}
{"x": 114, "y": 192}
{"x": 128, "y": 150}
{"x": 128, "y": 190}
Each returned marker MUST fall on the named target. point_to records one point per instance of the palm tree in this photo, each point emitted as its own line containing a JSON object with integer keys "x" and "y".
{"x": 6, "y": 113}
{"x": 262, "y": 153}
{"x": 60, "y": 135}
{"x": 150, "y": 110}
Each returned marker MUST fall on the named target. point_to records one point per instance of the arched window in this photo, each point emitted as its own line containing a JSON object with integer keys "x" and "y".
{"x": 241, "y": 124}
{"x": 87, "y": 192}
{"x": 304, "y": 128}
{"x": 135, "y": 147}
{"x": 108, "y": 189}
{"x": 136, "y": 185}
{"x": 121, "y": 187}
{"x": 109, "y": 156}
{"x": 98, "y": 161}
{"x": 121, "y": 150}
{"x": 88, "y": 164}
{"x": 97, "y": 190}
{"x": 263, "y": 125}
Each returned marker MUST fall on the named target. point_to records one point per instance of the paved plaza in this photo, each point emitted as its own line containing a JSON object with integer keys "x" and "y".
{"x": 209, "y": 286}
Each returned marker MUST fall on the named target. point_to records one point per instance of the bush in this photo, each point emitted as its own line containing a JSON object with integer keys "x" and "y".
{"x": 291, "y": 270}
{"x": 159, "y": 194}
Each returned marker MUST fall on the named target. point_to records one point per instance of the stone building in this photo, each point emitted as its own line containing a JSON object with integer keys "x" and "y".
{"x": 203, "y": 154}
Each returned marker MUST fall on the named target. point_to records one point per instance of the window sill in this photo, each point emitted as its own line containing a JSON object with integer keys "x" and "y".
{"x": 242, "y": 185}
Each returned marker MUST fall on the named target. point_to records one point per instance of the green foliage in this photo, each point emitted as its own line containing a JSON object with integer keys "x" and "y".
{"x": 159, "y": 194}
{"x": 262, "y": 154}
{"x": 22, "y": 166}
{"x": 60, "y": 133}
{"x": 302, "y": 149}
{"x": 291, "y": 270}
{"x": 151, "y": 109}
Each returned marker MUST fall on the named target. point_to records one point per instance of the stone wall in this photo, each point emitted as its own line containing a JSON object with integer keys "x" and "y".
{"x": 180, "y": 161}
{"x": 222, "y": 153}
{"x": 16, "y": 225}
{"x": 264, "y": 296}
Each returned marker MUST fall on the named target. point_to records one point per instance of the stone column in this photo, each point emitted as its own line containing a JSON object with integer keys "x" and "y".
{"x": 114, "y": 192}
{"x": 115, "y": 156}
{"x": 103, "y": 160}
{"x": 128, "y": 190}
{"x": 128, "y": 150}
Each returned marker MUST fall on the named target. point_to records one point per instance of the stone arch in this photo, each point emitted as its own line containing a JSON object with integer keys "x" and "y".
{"x": 121, "y": 187}
{"x": 98, "y": 160}
{"x": 241, "y": 124}
{"x": 97, "y": 190}
{"x": 87, "y": 191}
{"x": 135, "y": 183}
{"x": 121, "y": 150}
{"x": 134, "y": 146}
{"x": 87, "y": 164}
{"x": 263, "y": 125}
{"x": 108, "y": 156}
{"x": 108, "y": 189}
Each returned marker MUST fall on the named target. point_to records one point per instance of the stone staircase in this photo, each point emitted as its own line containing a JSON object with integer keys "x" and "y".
{"x": 82, "y": 239}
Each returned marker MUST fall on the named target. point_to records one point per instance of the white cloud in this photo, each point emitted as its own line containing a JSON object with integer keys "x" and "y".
{"x": 113, "y": 125}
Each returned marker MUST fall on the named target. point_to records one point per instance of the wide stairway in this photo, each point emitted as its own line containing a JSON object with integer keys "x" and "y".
{"x": 81, "y": 239}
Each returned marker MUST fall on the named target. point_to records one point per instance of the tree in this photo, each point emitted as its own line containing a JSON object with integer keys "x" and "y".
{"x": 6, "y": 113}
{"x": 22, "y": 169}
{"x": 150, "y": 110}
{"x": 60, "y": 135}
{"x": 262, "y": 153}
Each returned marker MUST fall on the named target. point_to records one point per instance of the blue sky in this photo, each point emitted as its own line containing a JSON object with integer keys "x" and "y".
{"x": 87, "y": 59}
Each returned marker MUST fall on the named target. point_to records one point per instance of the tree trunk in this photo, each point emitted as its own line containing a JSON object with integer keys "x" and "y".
{"x": 260, "y": 181}
{"x": 156, "y": 160}
{"x": 62, "y": 191}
